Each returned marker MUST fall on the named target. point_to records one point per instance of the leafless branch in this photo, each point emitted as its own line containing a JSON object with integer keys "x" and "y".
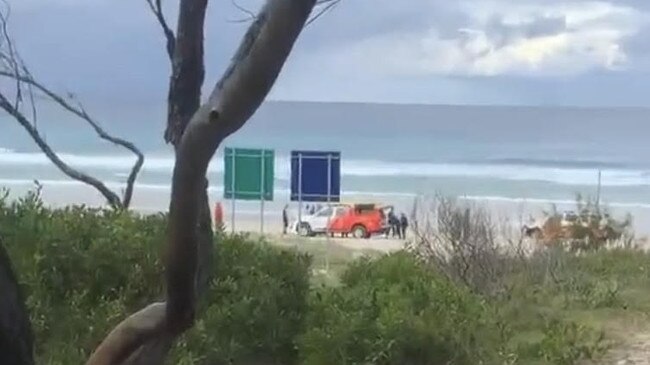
{"x": 250, "y": 16}
{"x": 80, "y": 112}
{"x": 15, "y": 69}
{"x": 188, "y": 72}
{"x": 327, "y": 5}
{"x": 156, "y": 9}
{"x": 463, "y": 242}
{"x": 110, "y": 196}
{"x": 10, "y": 54}
{"x": 253, "y": 71}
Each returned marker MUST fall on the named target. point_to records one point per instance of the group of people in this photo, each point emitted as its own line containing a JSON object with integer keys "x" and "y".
{"x": 397, "y": 225}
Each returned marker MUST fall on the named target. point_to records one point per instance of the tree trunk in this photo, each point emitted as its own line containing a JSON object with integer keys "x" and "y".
{"x": 145, "y": 338}
{"x": 16, "y": 338}
{"x": 183, "y": 100}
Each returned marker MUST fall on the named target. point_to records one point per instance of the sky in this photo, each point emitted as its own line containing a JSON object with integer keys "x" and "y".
{"x": 485, "y": 52}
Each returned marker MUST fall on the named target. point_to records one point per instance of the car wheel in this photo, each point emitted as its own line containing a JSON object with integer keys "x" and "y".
{"x": 359, "y": 232}
{"x": 304, "y": 229}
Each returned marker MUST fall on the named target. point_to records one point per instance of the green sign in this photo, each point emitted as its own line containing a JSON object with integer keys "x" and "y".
{"x": 248, "y": 174}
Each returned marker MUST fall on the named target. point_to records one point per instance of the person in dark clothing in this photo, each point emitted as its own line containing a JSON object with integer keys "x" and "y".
{"x": 285, "y": 219}
{"x": 394, "y": 224}
{"x": 404, "y": 224}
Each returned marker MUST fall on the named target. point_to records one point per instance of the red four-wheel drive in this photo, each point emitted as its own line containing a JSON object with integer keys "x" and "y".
{"x": 360, "y": 220}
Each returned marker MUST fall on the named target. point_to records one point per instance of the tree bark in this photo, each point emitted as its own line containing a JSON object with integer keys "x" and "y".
{"x": 253, "y": 71}
{"x": 188, "y": 70}
{"x": 235, "y": 98}
{"x": 16, "y": 338}
{"x": 184, "y": 99}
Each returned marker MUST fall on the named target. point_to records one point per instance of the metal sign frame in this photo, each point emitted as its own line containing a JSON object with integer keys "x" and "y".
{"x": 310, "y": 188}
{"x": 266, "y": 168}
{"x": 312, "y": 163}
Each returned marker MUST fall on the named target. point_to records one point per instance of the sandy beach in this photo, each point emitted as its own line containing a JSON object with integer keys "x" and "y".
{"x": 248, "y": 215}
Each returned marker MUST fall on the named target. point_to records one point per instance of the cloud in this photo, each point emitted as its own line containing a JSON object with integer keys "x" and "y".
{"x": 504, "y": 38}
{"x": 424, "y": 51}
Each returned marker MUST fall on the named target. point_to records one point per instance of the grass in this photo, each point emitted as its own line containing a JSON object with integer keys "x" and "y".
{"x": 329, "y": 259}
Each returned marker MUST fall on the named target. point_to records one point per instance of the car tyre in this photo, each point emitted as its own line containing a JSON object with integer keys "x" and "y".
{"x": 304, "y": 230}
{"x": 359, "y": 231}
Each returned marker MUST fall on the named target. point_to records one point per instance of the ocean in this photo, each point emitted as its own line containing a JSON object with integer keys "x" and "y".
{"x": 538, "y": 154}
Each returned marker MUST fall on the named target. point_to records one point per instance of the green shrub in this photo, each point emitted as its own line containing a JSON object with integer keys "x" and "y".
{"x": 84, "y": 270}
{"x": 565, "y": 343}
{"x": 256, "y": 306}
{"x": 395, "y": 311}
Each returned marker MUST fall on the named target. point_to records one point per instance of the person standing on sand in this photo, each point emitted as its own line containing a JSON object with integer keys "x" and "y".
{"x": 285, "y": 219}
{"x": 404, "y": 224}
{"x": 393, "y": 221}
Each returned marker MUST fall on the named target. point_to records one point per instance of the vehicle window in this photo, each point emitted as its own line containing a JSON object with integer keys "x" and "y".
{"x": 325, "y": 212}
{"x": 340, "y": 211}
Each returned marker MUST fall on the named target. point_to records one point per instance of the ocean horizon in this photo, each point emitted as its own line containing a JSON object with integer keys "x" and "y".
{"x": 540, "y": 154}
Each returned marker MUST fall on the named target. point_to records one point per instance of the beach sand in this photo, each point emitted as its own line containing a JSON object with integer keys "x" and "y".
{"x": 248, "y": 215}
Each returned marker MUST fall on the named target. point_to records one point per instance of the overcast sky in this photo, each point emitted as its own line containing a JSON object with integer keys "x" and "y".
{"x": 532, "y": 52}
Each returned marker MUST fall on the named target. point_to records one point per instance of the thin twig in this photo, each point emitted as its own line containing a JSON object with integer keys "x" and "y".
{"x": 243, "y": 9}
{"x": 11, "y": 57}
{"x": 156, "y": 9}
{"x": 329, "y": 5}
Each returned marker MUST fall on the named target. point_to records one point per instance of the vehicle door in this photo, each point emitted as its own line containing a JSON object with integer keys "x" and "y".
{"x": 338, "y": 222}
{"x": 319, "y": 220}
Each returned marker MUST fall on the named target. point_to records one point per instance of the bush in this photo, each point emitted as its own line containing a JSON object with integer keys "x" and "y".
{"x": 84, "y": 270}
{"x": 256, "y": 307}
{"x": 395, "y": 311}
{"x": 463, "y": 242}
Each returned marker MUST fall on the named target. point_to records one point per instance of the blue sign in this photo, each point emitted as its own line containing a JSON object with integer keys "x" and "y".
{"x": 315, "y": 176}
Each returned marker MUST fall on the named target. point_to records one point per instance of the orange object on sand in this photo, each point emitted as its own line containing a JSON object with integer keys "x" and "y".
{"x": 218, "y": 214}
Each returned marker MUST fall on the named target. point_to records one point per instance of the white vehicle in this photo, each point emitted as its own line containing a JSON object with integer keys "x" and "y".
{"x": 313, "y": 224}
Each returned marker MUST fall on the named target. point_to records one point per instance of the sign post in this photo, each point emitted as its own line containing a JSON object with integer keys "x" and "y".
{"x": 316, "y": 177}
{"x": 329, "y": 195}
{"x": 299, "y": 189}
{"x": 248, "y": 175}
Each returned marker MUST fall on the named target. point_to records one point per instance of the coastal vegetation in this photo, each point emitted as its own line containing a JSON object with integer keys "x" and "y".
{"x": 81, "y": 269}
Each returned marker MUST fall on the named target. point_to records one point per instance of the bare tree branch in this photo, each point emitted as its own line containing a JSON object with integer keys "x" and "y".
{"x": 80, "y": 112}
{"x": 156, "y": 9}
{"x": 188, "y": 71}
{"x": 327, "y": 6}
{"x": 113, "y": 200}
{"x": 239, "y": 93}
{"x": 15, "y": 69}
{"x": 250, "y": 16}
{"x": 10, "y": 56}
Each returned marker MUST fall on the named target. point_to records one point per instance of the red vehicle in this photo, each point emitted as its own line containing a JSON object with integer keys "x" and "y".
{"x": 360, "y": 220}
